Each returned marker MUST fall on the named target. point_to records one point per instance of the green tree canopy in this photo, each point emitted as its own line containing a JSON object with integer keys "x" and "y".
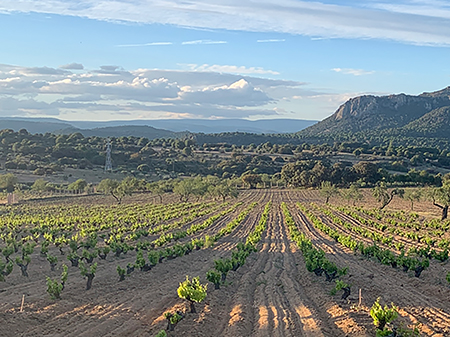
{"x": 8, "y": 182}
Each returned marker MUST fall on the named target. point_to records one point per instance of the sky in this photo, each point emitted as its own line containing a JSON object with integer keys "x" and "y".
{"x": 143, "y": 59}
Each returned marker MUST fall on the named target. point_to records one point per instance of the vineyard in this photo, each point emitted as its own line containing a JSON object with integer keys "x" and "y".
{"x": 273, "y": 262}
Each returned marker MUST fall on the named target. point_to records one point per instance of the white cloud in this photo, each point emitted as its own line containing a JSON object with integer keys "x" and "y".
{"x": 239, "y": 93}
{"x": 415, "y": 22}
{"x": 203, "y": 42}
{"x": 230, "y": 69}
{"x": 72, "y": 66}
{"x": 355, "y": 72}
{"x": 430, "y": 8}
{"x": 111, "y": 90}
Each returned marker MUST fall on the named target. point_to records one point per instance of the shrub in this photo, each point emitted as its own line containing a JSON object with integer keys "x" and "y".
{"x": 341, "y": 285}
{"x": 192, "y": 291}
{"x": 74, "y": 258}
{"x": 5, "y": 270}
{"x": 103, "y": 252}
{"x": 89, "y": 273}
{"x": 23, "y": 264}
{"x": 122, "y": 273}
{"x": 172, "y": 319}
{"x": 223, "y": 266}
{"x": 54, "y": 288}
{"x": 88, "y": 256}
{"x": 382, "y": 316}
{"x": 213, "y": 277}
{"x": 162, "y": 333}
{"x": 153, "y": 257}
{"x": 53, "y": 260}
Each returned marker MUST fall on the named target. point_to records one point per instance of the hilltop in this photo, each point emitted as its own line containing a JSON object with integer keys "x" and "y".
{"x": 400, "y": 114}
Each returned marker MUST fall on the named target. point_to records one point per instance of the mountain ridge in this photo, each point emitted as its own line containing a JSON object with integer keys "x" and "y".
{"x": 370, "y": 113}
{"x": 37, "y": 125}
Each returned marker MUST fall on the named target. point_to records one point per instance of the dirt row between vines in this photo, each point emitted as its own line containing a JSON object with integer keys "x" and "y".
{"x": 435, "y": 274}
{"x": 423, "y": 301}
{"x": 129, "y": 308}
{"x": 271, "y": 295}
{"x": 39, "y": 268}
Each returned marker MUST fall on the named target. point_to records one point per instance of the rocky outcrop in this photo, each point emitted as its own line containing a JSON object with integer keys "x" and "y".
{"x": 379, "y": 112}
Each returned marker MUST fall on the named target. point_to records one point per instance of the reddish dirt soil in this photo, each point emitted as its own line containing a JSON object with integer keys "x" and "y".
{"x": 271, "y": 295}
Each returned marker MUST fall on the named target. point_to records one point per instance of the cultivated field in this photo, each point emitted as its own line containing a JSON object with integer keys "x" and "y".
{"x": 271, "y": 294}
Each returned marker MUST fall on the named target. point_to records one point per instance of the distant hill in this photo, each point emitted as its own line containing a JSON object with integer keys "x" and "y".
{"x": 42, "y": 125}
{"x": 436, "y": 123}
{"x": 374, "y": 113}
{"x": 121, "y": 131}
{"x": 33, "y": 126}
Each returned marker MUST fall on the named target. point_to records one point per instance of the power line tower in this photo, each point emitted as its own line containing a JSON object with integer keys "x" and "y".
{"x": 108, "y": 164}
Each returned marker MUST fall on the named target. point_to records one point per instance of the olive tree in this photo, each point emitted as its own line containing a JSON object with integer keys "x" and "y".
{"x": 385, "y": 196}
{"x": 440, "y": 196}
{"x": 8, "y": 182}
{"x": 353, "y": 193}
{"x": 328, "y": 190}
{"x": 412, "y": 195}
{"x": 118, "y": 189}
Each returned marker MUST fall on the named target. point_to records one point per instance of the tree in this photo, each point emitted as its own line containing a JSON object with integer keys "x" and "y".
{"x": 156, "y": 188}
{"x": 200, "y": 187}
{"x": 252, "y": 180}
{"x": 192, "y": 291}
{"x": 78, "y": 185}
{"x": 367, "y": 172}
{"x": 440, "y": 196}
{"x": 118, "y": 189}
{"x": 184, "y": 188}
{"x": 8, "y": 182}
{"x": 223, "y": 189}
{"x": 266, "y": 180}
{"x": 353, "y": 193}
{"x": 328, "y": 190}
{"x": 40, "y": 185}
{"x": 383, "y": 196}
{"x": 109, "y": 186}
{"x": 412, "y": 195}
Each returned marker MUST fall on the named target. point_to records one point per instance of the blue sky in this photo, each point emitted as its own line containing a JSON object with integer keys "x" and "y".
{"x": 129, "y": 59}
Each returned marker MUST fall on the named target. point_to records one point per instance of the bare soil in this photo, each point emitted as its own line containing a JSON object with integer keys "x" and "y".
{"x": 271, "y": 295}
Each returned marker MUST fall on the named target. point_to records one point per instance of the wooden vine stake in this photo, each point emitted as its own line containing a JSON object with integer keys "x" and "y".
{"x": 23, "y": 300}
{"x": 360, "y": 297}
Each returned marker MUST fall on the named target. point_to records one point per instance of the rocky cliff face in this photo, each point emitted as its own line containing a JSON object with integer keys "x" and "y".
{"x": 379, "y": 112}
{"x": 390, "y": 105}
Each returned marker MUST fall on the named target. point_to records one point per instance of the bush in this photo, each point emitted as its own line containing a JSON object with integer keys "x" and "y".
{"x": 89, "y": 273}
{"x": 192, "y": 291}
{"x": 382, "y": 316}
{"x": 341, "y": 285}
{"x": 162, "y": 333}
{"x": 172, "y": 319}
{"x": 53, "y": 260}
{"x": 122, "y": 273}
{"x": 214, "y": 277}
{"x": 5, "y": 270}
{"x": 54, "y": 288}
